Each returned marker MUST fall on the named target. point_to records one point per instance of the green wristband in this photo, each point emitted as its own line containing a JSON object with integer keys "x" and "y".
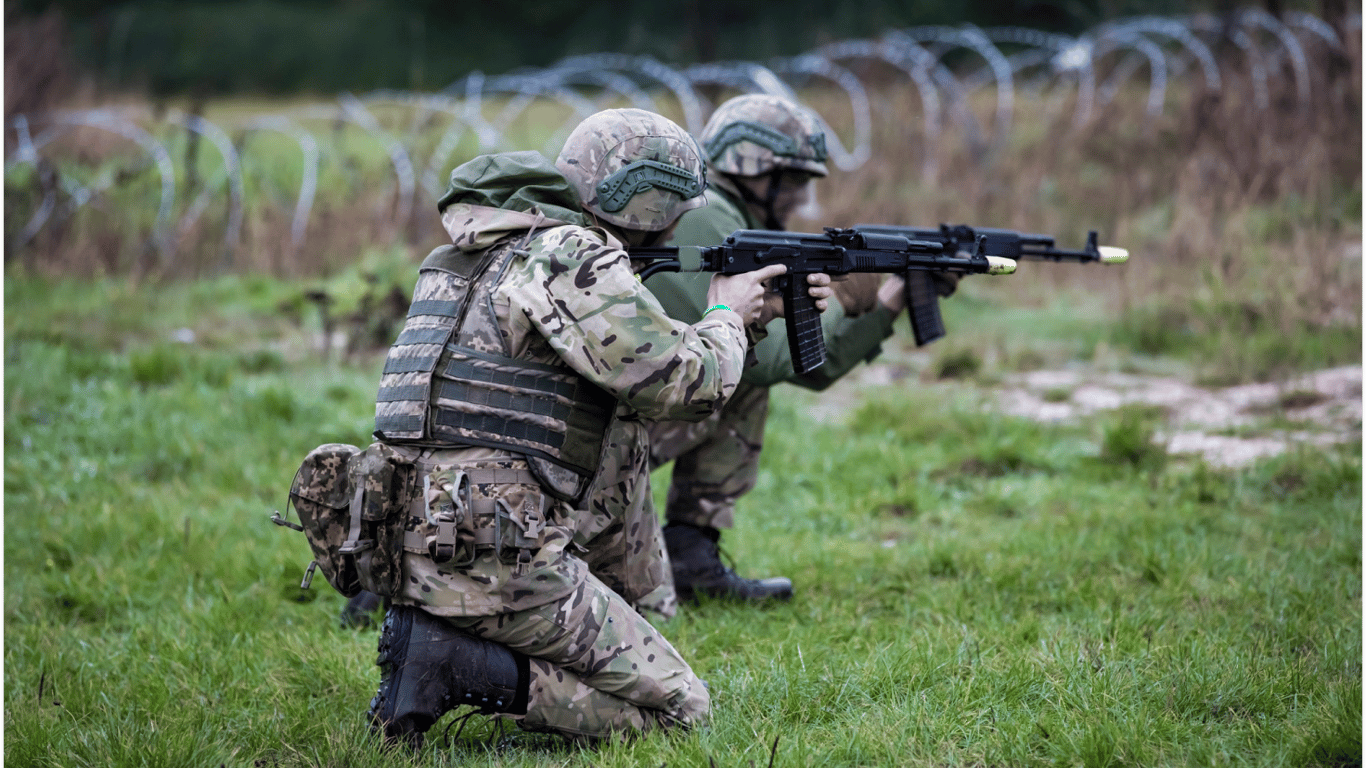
{"x": 717, "y": 306}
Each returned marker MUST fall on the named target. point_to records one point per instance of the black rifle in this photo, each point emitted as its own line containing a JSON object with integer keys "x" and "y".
{"x": 921, "y": 300}
{"x": 836, "y": 252}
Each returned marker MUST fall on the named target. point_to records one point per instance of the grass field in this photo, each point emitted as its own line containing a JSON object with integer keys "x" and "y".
{"x": 971, "y": 589}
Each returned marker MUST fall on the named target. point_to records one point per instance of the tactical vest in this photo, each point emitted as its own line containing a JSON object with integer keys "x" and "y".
{"x": 448, "y": 380}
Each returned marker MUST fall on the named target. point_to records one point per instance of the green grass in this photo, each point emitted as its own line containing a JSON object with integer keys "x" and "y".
{"x": 971, "y": 589}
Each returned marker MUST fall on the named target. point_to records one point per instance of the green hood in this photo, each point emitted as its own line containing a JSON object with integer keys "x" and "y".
{"x": 514, "y": 181}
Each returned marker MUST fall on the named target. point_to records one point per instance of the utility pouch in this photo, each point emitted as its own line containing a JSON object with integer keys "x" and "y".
{"x": 466, "y": 512}
{"x": 321, "y": 494}
{"x": 447, "y": 528}
{"x": 382, "y": 490}
{"x": 352, "y": 507}
{"x": 521, "y": 520}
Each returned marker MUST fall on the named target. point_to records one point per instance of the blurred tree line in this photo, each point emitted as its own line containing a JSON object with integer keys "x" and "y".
{"x": 216, "y": 47}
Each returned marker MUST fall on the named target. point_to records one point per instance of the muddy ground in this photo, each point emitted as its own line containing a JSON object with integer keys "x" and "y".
{"x": 1228, "y": 426}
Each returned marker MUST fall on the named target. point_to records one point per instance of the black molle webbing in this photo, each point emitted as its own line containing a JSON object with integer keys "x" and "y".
{"x": 401, "y": 394}
{"x": 539, "y": 410}
{"x": 497, "y": 425}
{"x": 430, "y": 335}
{"x": 433, "y": 307}
{"x": 535, "y": 381}
{"x": 410, "y": 364}
{"x": 398, "y": 424}
{"x": 494, "y": 398}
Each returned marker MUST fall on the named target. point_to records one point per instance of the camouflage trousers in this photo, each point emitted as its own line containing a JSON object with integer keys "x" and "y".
{"x": 716, "y": 461}
{"x": 598, "y": 668}
{"x": 572, "y": 602}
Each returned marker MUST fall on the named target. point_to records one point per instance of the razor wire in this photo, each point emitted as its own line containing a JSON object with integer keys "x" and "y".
{"x": 946, "y": 66}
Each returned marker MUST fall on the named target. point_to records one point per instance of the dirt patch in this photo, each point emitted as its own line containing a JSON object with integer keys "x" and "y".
{"x": 1229, "y": 426}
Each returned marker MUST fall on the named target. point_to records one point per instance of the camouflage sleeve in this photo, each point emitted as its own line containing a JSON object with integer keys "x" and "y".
{"x": 848, "y": 342}
{"x": 583, "y": 298}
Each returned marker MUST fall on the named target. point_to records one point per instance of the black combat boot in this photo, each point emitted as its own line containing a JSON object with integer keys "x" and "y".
{"x": 360, "y": 610}
{"x": 698, "y": 570}
{"x": 428, "y": 667}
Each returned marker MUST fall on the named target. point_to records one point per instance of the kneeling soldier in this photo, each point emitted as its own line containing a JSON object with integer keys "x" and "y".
{"x": 517, "y": 387}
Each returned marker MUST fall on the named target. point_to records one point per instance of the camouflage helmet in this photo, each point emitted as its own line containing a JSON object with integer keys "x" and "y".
{"x": 634, "y": 169}
{"x": 757, "y": 133}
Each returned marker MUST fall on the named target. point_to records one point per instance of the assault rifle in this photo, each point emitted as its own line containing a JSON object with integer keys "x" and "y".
{"x": 921, "y": 302}
{"x": 836, "y": 252}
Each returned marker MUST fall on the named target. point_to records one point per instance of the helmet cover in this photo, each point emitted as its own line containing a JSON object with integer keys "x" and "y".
{"x": 633, "y": 168}
{"x": 757, "y": 133}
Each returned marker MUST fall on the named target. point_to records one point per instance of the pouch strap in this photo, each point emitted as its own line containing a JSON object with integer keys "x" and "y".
{"x": 354, "y": 544}
{"x": 500, "y": 476}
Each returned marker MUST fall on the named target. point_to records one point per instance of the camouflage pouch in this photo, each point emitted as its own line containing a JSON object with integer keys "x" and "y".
{"x": 471, "y": 511}
{"x": 352, "y": 508}
{"x": 521, "y": 514}
{"x": 383, "y": 483}
{"x": 321, "y": 495}
{"x": 447, "y": 530}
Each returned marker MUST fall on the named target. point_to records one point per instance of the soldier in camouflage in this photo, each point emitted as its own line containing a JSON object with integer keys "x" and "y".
{"x": 518, "y": 387}
{"x": 764, "y": 153}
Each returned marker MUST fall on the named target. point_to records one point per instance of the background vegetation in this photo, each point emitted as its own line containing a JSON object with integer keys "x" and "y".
{"x": 325, "y": 46}
{"x": 972, "y": 589}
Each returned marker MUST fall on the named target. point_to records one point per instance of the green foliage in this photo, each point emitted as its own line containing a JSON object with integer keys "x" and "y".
{"x": 1235, "y": 342}
{"x": 959, "y": 363}
{"x": 1128, "y": 439}
{"x": 272, "y": 46}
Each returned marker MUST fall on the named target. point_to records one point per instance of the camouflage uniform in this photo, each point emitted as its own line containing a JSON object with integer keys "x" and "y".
{"x": 717, "y": 459}
{"x": 531, "y": 560}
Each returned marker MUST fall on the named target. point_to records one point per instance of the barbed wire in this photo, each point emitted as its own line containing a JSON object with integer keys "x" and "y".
{"x": 1012, "y": 60}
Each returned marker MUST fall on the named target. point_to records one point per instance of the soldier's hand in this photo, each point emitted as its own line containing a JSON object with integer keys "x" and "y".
{"x": 744, "y": 292}
{"x": 945, "y": 283}
{"x": 747, "y": 295}
{"x": 892, "y": 294}
{"x": 857, "y": 291}
{"x": 818, "y": 288}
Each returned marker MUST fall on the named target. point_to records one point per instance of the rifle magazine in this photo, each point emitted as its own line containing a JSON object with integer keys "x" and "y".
{"x": 922, "y": 305}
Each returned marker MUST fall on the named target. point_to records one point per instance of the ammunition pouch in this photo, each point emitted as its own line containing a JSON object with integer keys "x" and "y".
{"x": 352, "y": 508}
{"x": 466, "y": 512}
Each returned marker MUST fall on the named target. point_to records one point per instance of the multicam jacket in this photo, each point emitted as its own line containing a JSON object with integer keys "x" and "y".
{"x": 555, "y": 317}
